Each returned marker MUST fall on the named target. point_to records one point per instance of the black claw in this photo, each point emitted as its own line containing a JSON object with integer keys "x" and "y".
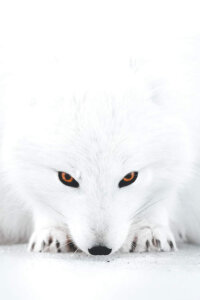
{"x": 50, "y": 241}
{"x": 72, "y": 247}
{"x": 43, "y": 244}
{"x": 133, "y": 246}
{"x": 158, "y": 244}
{"x": 147, "y": 245}
{"x": 57, "y": 244}
{"x": 171, "y": 245}
{"x": 32, "y": 246}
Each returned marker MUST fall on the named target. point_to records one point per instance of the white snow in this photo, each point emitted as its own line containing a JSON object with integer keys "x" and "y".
{"x": 163, "y": 276}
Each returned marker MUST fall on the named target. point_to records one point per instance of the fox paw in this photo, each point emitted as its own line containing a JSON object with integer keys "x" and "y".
{"x": 51, "y": 240}
{"x": 147, "y": 239}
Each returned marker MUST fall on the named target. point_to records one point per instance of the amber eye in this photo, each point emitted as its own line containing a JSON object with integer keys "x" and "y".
{"x": 67, "y": 179}
{"x": 128, "y": 179}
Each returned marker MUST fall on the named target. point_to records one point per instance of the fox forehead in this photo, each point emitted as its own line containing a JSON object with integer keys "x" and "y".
{"x": 94, "y": 135}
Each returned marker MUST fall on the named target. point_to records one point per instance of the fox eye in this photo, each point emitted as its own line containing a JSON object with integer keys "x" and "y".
{"x": 128, "y": 179}
{"x": 67, "y": 179}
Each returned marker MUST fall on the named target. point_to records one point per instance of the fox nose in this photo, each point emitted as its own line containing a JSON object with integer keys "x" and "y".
{"x": 99, "y": 250}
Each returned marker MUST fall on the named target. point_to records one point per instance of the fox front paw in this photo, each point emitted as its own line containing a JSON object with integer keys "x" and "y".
{"x": 147, "y": 239}
{"x": 53, "y": 240}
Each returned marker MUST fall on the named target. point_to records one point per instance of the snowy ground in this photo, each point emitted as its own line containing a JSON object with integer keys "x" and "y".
{"x": 76, "y": 276}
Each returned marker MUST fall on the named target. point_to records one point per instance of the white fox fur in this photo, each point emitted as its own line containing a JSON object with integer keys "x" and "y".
{"x": 144, "y": 120}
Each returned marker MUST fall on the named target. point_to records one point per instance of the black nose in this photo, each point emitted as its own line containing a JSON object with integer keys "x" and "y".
{"x": 99, "y": 250}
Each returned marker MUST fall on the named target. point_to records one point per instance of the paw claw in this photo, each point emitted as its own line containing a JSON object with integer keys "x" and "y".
{"x": 43, "y": 245}
{"x": 57, "y": 244}
{"x": 50, "y": 241}
{"x": 171, "y": 245}
{"x": 71, "y": 246}
{"x": 32, "y": 246}
{"x": 133, "y": 246}
{"x": 158, "y": 244}
{"x": 147, "y": 245}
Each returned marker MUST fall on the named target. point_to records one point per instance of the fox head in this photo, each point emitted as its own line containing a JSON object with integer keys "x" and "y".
{"x": 95, "y": 164}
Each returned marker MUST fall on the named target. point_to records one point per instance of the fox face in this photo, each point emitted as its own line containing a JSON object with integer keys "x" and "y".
{"x": 98, "y": 167}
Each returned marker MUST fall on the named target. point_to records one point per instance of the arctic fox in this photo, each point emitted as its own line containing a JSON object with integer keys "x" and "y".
{"x": 103, "y": 171}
